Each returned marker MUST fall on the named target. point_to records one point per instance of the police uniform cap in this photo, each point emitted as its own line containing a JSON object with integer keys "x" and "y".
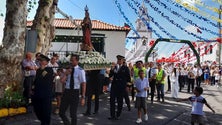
{"x": 140, "y": 61}
{"x": 120, "y": 57}
{"x": 44, "y": 58}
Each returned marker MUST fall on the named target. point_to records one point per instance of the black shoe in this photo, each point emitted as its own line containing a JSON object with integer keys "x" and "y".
{"x": 112, "y": 118}
{"x": 117, "y": 118}
{"x": 129, "y": 108}
{"x": 94, "y": 113}
{"x": 87, "y": 114}
{"x": 162, "y": 100}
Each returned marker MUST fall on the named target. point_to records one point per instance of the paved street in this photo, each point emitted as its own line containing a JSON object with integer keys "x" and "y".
{"x": 168, "y": 113}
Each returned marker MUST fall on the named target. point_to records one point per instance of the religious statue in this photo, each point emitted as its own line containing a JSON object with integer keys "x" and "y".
{"x": 86, "y": 29}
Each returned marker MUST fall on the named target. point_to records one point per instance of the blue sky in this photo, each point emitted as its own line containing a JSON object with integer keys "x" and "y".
{"x": 107, "y": 11}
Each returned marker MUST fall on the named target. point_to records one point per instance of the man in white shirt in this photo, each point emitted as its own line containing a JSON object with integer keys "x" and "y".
{"x": 198, "y": 72}
{"x": 151, "y": 75}
{"x": 191, "y": 79}
{"x": 74, "y": 79}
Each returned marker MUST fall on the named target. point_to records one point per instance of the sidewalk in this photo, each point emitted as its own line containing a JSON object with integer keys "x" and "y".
{"x": 213, "y": 97}
{"x": 168, "y": 113}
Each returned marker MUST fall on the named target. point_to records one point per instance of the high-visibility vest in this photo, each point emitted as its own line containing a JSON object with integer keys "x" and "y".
{"x": 136, "y": 72}
{"x": 159, "y": 76}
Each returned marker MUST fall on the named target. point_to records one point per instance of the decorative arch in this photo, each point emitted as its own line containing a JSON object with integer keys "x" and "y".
{"x": 173, "y": 41}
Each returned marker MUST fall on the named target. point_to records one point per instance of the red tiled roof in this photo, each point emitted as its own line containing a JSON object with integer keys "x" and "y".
{"x": 96, "y": 25}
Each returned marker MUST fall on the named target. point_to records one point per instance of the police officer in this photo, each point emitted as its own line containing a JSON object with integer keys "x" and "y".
{"x": 42, "y": 91}
{"x": 120, "y": 75}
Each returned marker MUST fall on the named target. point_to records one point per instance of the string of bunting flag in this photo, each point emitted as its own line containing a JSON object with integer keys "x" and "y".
{"x": 185, "y": 48}
{"x": 195, "y": 9}
{"x": 173, "y": 22}
{"x": 151, "y": 19}
{"x": 217, "y": 1}
{"x": 184, "y": 18}
{"x": 200, "y": 3}
{"x": 193, "y": 57}
{"x": 144, "y": 21}
{"x": 192, "y": 13}
{"x": 127, "y": 20}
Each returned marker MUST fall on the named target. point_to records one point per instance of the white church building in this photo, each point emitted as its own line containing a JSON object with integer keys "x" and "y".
{"x": 208, "y": 51}
{"x": 141, "y": 45}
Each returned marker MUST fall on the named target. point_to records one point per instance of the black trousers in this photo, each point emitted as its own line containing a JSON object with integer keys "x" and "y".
{"x": 152, "y": 86}
{"x": 126, "y": 97}
{"x": 42, "y": 108}
{"x": 181, "y": 82}
{"x": 89, "y": 101}
{"x": 70, "y": 99}
{"x": 212, "y": 80}
{"x": 190, "y": 83}
{"x": 116, "y": 96}
{"x": 27, "y": 85}
{"x": 133, "y": 92}
{"x": 168, "y": 83}
{"x": 198, "y": 80}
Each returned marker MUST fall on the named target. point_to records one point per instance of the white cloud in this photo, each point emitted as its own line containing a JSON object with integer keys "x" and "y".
{"x": 191, "y": 29}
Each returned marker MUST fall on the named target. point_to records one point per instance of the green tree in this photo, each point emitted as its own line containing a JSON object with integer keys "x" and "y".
{"x": 12, "y": 49}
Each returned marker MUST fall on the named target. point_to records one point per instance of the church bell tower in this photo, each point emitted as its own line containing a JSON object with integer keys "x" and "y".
{"x": 142, "y": 22}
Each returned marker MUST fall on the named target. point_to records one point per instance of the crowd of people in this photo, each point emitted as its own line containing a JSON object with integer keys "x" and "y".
{"x": 45, "y": 81}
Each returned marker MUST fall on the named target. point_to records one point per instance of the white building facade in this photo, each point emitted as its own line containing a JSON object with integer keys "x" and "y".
{"x": 107, "y": 39}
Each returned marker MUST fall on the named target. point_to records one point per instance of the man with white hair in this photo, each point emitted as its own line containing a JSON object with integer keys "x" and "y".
{"x": 29, "y": 71}
{"x": 151, "y": 75}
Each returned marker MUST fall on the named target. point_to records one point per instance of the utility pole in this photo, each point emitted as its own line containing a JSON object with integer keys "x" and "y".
{"x": 219, "y": 44}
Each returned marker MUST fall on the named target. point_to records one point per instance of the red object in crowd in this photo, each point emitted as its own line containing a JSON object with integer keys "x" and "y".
{"x": 152, "y": 42}
{"x": 194, "y": 44}
{"x": 219, "y": 40}
{"x": 169, "y": 60}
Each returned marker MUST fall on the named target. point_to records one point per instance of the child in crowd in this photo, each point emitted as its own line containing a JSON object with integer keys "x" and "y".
{"x": 197, "y": 106}
{"x": 59, "y": 87}
{"x": 142, "y": 85}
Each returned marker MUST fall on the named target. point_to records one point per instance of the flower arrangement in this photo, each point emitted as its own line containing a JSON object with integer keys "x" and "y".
{"x": 89, "y": 60}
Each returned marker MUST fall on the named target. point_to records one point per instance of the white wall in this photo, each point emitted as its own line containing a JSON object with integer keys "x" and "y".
{"x": 114, "y": 42}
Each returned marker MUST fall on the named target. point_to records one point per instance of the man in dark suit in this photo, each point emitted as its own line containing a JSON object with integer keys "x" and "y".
{"x": 92, "y": 88}
{"x": 42, "y": 91}
{"x": 120, "y": 75}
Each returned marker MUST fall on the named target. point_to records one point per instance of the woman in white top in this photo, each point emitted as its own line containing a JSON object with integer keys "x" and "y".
{"x": 174, "y": 78}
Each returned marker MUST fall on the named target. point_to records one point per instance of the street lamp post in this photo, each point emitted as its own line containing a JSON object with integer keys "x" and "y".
{"x": 219, "y": 25}
{"x": 153, "y": 55}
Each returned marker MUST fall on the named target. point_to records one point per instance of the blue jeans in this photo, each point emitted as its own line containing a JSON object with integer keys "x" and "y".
{"x": 160, "y": 91}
